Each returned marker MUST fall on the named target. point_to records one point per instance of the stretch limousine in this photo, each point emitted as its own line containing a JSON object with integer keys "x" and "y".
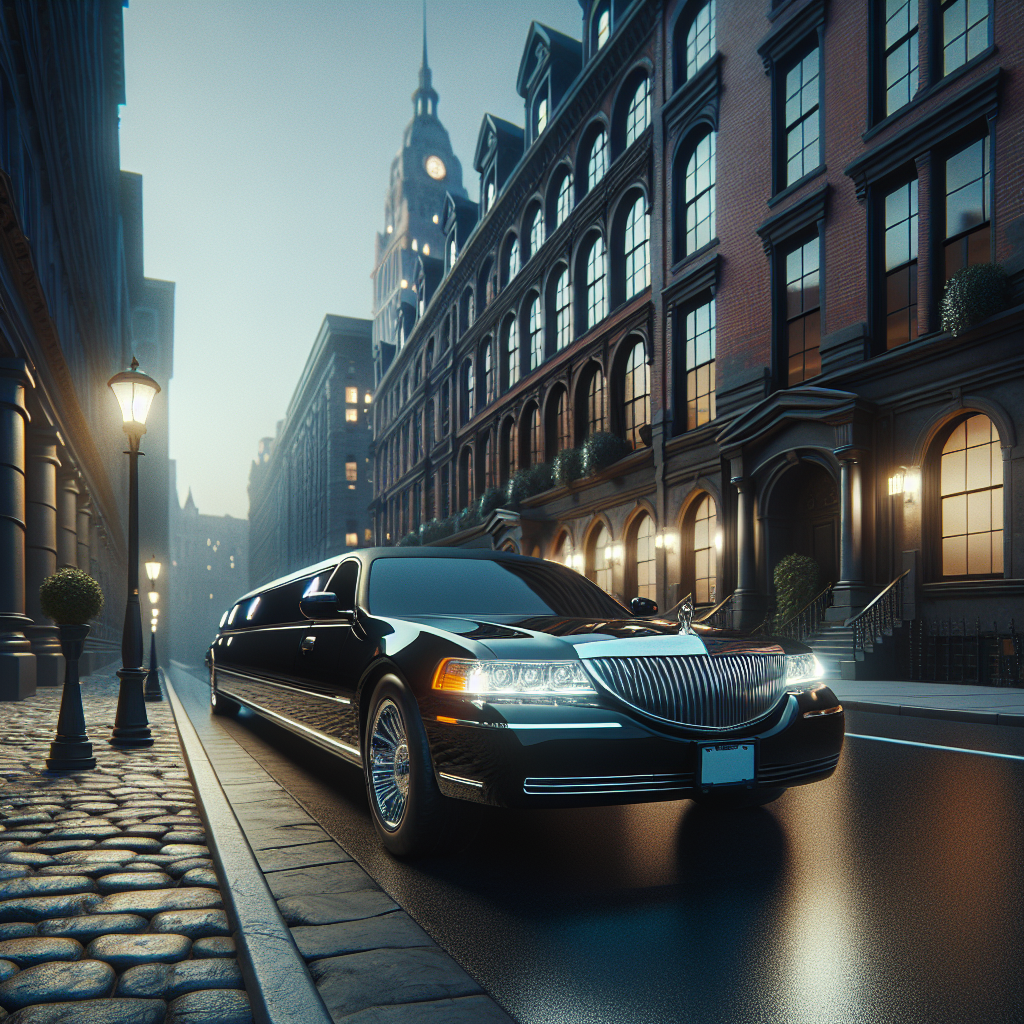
{"x": 451, "y": 675}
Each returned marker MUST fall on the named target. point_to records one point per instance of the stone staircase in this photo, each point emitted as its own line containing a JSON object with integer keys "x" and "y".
{"x": 833, "y": 645}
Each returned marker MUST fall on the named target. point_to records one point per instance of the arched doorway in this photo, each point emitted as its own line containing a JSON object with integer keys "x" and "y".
{"x": 803, "y": 519}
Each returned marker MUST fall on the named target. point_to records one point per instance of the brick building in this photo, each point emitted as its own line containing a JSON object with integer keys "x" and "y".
{"x": 724, "y": 235}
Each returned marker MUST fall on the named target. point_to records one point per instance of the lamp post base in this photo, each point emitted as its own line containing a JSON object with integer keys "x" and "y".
{"x": 70, "y": 756}
{"x": 131, "y": 726}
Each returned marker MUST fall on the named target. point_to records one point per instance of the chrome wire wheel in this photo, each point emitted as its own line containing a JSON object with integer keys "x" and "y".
{"x": 389, "y": 764}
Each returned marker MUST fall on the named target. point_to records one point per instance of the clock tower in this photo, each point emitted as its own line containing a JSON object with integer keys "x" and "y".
{"x": 423, "y": 171}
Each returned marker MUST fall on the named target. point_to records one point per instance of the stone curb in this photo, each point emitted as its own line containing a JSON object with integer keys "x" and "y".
{"x": 946, "y": 714}
{"x": 279, "y": 986}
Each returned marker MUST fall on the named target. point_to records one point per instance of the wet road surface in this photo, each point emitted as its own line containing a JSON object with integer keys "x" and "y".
{"x": 894, "y": 891}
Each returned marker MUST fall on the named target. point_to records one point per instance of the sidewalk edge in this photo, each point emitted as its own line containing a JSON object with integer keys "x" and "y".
{"x": 946, "y": 714}
{"x": 277, "y": 981}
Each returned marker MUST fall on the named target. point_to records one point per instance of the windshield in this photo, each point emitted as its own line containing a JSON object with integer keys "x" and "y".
{"x": 462, "y": 586}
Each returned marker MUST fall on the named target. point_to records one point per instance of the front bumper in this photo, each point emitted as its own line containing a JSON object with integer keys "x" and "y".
{"x": 563, "y": 755}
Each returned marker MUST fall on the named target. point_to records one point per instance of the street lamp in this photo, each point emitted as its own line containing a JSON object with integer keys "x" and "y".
{"x": 152, "y": 689}
{"x": 134, "y": 391}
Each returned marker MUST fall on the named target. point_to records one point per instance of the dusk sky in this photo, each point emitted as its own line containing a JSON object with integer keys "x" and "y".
{"x": 265, "y": 131}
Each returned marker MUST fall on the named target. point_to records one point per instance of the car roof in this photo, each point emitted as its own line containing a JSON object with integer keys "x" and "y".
{"x": 368, "y": 555}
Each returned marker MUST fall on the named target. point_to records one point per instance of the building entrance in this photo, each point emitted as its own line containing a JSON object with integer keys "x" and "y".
{"x": 803, "y": 519}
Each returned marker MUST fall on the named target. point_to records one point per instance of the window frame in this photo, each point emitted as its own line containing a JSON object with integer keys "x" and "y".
{"x": 780, "y": 316}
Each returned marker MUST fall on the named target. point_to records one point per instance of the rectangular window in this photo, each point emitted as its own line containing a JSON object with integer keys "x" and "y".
{"x": 801, "y": 118}
{"x": 964, "y": 32}
{"x": 351, "y": 415}
{"x": 351, "y": 472}
{"x": 802, "y": 326}
{"x": 443, "y": 427}
{"x": 968, "y": 238}
{"x": 445, "y": 491}
{"x": 901, "y": 265}
{"x": 700, "y": 365}
{"x": 901, "y": 53}
{"x": 352, "y": 395}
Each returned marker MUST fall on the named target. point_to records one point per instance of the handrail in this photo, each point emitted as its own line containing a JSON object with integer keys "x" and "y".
{"x": 878, "y": 618}
{"x": 806, "y": 621}
{"x": 719, "y": 610}
{"x": 853, "y": 618}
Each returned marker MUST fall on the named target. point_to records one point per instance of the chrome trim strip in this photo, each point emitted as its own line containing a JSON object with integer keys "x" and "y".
{"x": 459, "y": 778}
{"x": 565, "y": 725}
{"x": 245, "y": 677}
{"x": 828, "y": 711}
{"x": 610, "y": 784}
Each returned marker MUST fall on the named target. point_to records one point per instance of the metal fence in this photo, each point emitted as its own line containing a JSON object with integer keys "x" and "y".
{"x": 951, "y": 651}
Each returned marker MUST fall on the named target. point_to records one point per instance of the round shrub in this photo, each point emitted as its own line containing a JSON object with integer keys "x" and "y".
{"x": 70, "y": 597}
{"x": 467, "y": 518}
{"x": 796, "y": 584}
{"x": 489, "y": 501}
{"x": 600, "y": 450}
{"x": 436, "y": 529}
{"x": 567, "y": 466}
{"x": 526, "y": 483}
{"x": 973, "y": 294}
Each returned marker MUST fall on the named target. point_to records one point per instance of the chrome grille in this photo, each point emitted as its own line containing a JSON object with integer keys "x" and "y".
{"x": 720, "y": 692}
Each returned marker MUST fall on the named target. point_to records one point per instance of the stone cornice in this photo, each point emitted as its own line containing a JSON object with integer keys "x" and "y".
{"x": 695, "y": 96}
{"x": 794, "y": 219}
{"x": 791, "y": 33}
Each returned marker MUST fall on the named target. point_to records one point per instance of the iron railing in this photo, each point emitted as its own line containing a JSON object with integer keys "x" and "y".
{"x": 806, "y": 621}
{"x": 950, "y": 651}
{"x": 879, "y": 618}
{"x": 719, "y": 617}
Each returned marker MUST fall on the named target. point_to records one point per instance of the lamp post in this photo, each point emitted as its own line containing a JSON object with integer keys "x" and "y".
{"x": 152, "y": 690}
{"x": 134, "y": 391}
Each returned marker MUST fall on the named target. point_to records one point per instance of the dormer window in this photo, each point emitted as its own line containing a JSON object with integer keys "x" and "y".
{"x": 541, "y": 121}
{"x": 604, "y": 25}
{"x": 489, "y": 199}
{"x": 451, "y": 252}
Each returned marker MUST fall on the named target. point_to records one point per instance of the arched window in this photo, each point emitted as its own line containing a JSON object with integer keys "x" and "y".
{"x": 705, "y": 560}
{"x": 595, "y": 303}
{"x": 467, "y": 391}
{"x": 699, "y": 194}
{"x": 562, "y": 551}
{"x": 533, "y": 435}
{"x": 489, "y": 200}
{"x": 540, "y": 115}
{"x": 636, "y": 394}
{"x": 700, "y": 39}
{"x": 558, "y": 428}
{"x": 488, "y": 374}
{"x": 636, "y": 245}
{"x": 638, "y": 114}
{"x": 597, "y": 160}
{"x": 511, "y": 351}
{"x": 428, "y": 358}
{"x": 488, "y": 460}
{"x": 534, "y": 233}
{"x": 971, "y": 496}
{"x": 563, "y": 307}
{"x": 563, "y": 200}
{"x": 535, "y": 334}
{"x": 467, "y": 311}
{"x": 599, "y": 563}
{"x": 506, "y": 449}
{"x": 595, "y": 403}
{"x": 512, "y": 261}
{"x": 465, "y": 477}
{"x": 643, "y": 554}
{"x": 451, "y": 252}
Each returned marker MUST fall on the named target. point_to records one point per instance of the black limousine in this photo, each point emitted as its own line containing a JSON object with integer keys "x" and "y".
{"x": 451, "y": 675}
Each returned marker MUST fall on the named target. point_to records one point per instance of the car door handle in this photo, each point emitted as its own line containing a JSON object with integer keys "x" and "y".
{"x": 307, "y": 644}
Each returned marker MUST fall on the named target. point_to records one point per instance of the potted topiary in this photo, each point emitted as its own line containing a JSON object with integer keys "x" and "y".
{"x": 796, "y": 584}
{"x": 601, "y": 449}
{"x": 71, "y": 597}
{"x": 567, "y": 466}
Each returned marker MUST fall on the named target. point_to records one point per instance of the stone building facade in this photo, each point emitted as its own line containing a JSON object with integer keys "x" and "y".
{"x": 310, "y": 485}
{"x": 74, "y": 304}
{"x": 724, "y": 235}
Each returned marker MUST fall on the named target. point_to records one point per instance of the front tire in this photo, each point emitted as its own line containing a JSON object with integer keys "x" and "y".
{"x": 219, "y": 704}
{"x": 409, "y": 812}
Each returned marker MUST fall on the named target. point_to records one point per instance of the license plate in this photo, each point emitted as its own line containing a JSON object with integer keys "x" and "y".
{"x": 727, "y": 764}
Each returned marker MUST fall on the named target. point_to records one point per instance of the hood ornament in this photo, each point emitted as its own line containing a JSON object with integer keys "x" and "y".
{"x": 685, "y": 616}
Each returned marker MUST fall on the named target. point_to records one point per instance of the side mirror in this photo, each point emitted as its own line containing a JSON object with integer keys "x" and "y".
{"x": 324, "y": 605}
{"x": 641, "y": 606}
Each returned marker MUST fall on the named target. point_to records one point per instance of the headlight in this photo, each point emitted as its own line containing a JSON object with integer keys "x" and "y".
{"x": 802, "y": 669}
{"x": 512, "y": 677}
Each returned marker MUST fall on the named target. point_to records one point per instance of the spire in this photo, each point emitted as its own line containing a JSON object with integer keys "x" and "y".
{"x": 424, "y": 99}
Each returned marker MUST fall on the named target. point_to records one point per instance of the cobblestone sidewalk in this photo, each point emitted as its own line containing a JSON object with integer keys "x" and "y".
{"x": 109, "y": 905}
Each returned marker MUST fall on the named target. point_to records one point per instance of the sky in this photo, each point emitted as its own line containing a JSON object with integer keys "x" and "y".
{"x": 264, "y": 131}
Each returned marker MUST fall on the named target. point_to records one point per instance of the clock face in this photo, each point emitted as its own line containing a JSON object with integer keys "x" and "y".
{"x": 436, "y": 168}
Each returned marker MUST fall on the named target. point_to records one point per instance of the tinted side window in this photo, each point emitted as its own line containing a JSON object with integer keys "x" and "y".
{"x": 282, "y": 603}
{"x": 343, "y": 583}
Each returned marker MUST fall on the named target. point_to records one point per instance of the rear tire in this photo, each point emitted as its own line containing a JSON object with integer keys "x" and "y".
{"x": 725, "y": 799}
{"x": 411, "y": 815}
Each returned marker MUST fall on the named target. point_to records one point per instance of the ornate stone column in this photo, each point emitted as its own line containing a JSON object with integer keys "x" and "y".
{"x": 67, "y": 520}
{"x": 41, "y": 551}
{"x": 84, "y": 534}
{"x": 17, "y": 662}
{"x": 748, "y": 603}
{"x": 850, "y": 593}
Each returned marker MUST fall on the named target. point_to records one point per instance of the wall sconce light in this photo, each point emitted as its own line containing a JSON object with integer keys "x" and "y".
{"x": 912, "y": 484}
{"x": 667, "y": 539}
{"x": 896, "y": 481}
{"x": 613, "y": 553}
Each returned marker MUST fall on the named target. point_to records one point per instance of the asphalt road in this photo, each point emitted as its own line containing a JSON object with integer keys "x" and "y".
{"x": 893, "y": 892}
